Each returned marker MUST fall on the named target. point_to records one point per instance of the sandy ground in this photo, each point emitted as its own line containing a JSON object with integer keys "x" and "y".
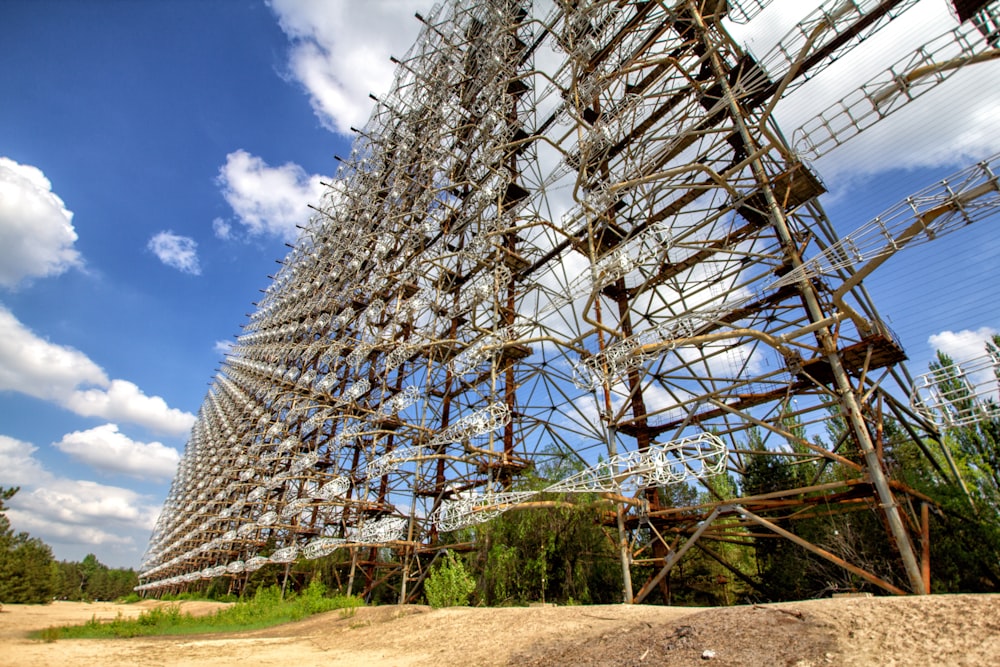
{"x": 937, "y": 630}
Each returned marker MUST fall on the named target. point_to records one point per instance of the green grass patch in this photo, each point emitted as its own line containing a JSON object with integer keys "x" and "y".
{"x": 265, "y": 609}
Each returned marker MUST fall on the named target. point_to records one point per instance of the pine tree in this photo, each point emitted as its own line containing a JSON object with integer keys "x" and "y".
{"x": 27, "y": 574}
{"x": 976, "y": 444}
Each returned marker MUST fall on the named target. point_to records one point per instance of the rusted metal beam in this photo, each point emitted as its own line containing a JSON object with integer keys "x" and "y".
{"x": 822, "y": 553}
{"x": 675, "y": 556}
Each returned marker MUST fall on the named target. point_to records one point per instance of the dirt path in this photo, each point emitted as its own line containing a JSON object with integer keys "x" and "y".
{"x": 938, "y": 630}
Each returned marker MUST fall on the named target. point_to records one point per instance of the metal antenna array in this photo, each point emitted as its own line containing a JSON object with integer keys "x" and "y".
{"x": 965, "y": 394}
{"x": 571, "y": 229}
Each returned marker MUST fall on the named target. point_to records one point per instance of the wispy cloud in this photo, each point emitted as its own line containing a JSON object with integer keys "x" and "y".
{"x": 268, "y": 200}
{"x": 222, "y": 229}
{"x": 33, "y": 366}
{"x": 177, "y": 252}
{"x": 36, "y": 229}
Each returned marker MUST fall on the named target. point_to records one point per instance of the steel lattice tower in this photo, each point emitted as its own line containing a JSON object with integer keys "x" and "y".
{"x": 571, "y": 229}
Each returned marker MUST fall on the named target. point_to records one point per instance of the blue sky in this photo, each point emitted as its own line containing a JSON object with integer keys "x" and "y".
{"x": 156, "y": 156}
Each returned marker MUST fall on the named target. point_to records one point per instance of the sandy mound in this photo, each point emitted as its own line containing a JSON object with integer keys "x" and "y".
{"x": 940, "y": 630}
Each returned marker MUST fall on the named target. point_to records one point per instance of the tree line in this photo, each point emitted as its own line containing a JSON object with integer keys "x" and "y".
{"x": 29, "y": 574}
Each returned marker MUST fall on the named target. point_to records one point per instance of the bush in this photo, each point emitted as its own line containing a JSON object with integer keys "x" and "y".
{"x": 449, "y": 585}
{"x": 266, "y": 608}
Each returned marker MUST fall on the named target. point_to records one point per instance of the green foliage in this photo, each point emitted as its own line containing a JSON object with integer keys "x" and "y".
{"x": 548, "y": 554}
{"x": 699, "y": 579}
{"x": 965, "y": 536}
{"x": 976, "y": 446}
{"x": 266, "y": 608}
{"x": 269, "y": 576}
{"x": 555, "y": 554}
{"x": 502, "y": 574}
{"x": 779, "y": 564}
{"x": 781, "y": 569}
{"x": 328, "y": 568}
{"x": 965, "y": 555}
{"x": 449, "y": 584}
{"x": 92, "y": 580}
{"x": 27, "y": 573}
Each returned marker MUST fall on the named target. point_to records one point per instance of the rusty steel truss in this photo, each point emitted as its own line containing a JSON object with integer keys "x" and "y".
{"x": 573, "y": 230}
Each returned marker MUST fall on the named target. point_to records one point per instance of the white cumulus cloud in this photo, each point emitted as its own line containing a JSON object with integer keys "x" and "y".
{"x": 177, "y": 252}
{"x": 123, "y": 400}
{"x": 57, "y": 531}
{"x": 340, "y": 52}
{"x": 268, "y": 200}
{"x": 223, "y": 346}
{"x": 77, "y": 513}
{"x": 17, "y": 465}
{"x": 36, "y": 229}
{"x": 963, "y": 345}
{"x": 106, "y": 448}
{"x": 36, "y": 367}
